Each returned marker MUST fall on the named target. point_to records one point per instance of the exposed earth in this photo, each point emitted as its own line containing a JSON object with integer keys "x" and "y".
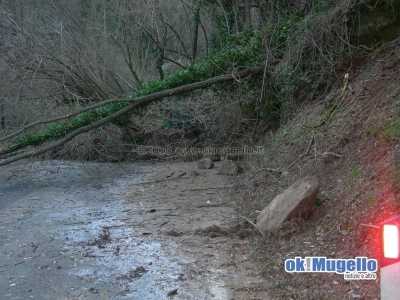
{"x": 72, "y": 230}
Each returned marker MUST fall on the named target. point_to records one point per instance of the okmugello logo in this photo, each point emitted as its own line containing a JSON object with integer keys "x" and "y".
{"x": 353, "y": 269}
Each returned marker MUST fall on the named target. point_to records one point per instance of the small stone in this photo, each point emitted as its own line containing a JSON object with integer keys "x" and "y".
{"x": 174, "y": 233}
{"x": 194, "y": 173}
{"x": 93, "y": 290}
{"x": 137, "y": 273}
{"x": 211, "y": 230}
{"x": 172, "y": 293}
{"x": 229, "y": 168}
{"x": 205, "y": 164}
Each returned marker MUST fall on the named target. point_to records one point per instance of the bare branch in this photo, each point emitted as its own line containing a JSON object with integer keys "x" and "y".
{"x": 138, "y": 103}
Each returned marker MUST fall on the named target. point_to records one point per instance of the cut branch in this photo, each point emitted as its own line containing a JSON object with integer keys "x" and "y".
{"x": 137, "y": 103}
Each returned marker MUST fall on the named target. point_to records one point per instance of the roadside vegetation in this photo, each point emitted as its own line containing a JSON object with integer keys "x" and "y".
{"x": 302, "y": 51}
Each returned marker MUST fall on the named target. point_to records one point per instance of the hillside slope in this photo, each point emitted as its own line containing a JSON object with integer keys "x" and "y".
{"x": 350, "y": 140}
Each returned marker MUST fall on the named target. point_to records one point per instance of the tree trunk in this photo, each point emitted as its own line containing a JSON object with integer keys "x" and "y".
{"x": 196, "y": 24}
{"x": 137, "y": 103}
{"x": 247, "y": 16}
{"x": 2, "y": 115}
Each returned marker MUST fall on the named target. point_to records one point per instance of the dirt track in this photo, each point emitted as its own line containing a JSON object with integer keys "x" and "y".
{"x": 109, "y": 231}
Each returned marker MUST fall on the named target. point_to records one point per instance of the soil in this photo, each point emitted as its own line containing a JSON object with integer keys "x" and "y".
{"x": 74, "y": 230}
{"x": 355, "y": 156}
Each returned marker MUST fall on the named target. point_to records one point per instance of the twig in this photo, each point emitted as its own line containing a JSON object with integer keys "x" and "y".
{"x": 235, "y": 77}
{"x": 334, "y": 108}
{"x": 370, "y": 226}
{"x": 252, "y": 224}
{"x": 332, "y": 154}
{"x": 157, "y": 181}
{"x": 279, "y": 172}
{"x": 25, "y": 259}
{"x": 212, "y": 205}
{"x": 304, "y": 154}
{"x": 264, "y": 77}
{"x": 209, "y": 188}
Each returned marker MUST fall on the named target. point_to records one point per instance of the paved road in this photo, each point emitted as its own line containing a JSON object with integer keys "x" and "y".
{"x": 91, "y": 231}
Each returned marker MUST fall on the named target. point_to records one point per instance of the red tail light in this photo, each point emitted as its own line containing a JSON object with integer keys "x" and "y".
{"x": 391, "y": 241}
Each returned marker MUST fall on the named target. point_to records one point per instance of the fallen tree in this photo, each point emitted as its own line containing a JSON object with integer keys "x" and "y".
{"x": 239, "y": 51}
{"x": 136, "y": 103}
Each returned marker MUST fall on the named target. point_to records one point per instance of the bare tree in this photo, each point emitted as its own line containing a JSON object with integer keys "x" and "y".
{"x": 73, "y": 52}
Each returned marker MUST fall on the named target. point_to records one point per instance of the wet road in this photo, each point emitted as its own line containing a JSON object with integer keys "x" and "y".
{"x": 92, "y": 231}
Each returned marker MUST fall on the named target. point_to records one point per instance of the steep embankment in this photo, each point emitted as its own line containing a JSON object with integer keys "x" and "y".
{"x": 350, "y": 140}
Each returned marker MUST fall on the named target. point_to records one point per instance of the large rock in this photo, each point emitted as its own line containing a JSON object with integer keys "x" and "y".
{"x": 297, "y": 201}
{"x": 205, "y": 163}
{"x": 229, "y": 167}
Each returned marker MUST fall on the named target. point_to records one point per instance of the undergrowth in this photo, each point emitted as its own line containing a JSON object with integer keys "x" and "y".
{"x": 243, "y": 50}
{"x": 305, "y": 51}
{"x": 391, "y": 131}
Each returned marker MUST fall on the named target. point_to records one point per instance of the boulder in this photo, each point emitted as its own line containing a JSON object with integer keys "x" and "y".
{"x": 205, "y": 163}
{"x": 229, "y": 167}
{"x": 296, "y": 201}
